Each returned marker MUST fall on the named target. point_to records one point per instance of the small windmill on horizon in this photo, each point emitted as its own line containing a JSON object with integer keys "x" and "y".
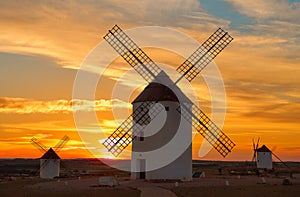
{"x": 49, "y": 161}
{"x": 263, "y": 156}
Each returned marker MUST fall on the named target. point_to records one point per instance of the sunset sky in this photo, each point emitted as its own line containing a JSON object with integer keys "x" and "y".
{"x": 43, "y": 43}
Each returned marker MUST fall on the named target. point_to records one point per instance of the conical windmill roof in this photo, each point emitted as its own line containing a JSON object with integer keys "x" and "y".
{"x": 50, "y": 154}
{"x": 156, "y": 92}
{"x": 160, "y": 92}
{"x": 263, "y": 149}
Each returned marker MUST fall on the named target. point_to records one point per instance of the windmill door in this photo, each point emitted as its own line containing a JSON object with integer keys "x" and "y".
{"x": 142, "y": 168}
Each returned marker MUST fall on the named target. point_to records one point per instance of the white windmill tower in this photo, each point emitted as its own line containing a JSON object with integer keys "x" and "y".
{"x": 151, "y": 138}
{"x": 162, "y": 95}
{"x": 50, "y": 161}
{"x": 262, "y": 156}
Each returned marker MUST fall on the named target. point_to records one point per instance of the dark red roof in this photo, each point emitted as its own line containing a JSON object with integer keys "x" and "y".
{"x": 263, "y": 149}
{"x": 156, "y": 91}
{"x": 50, "y": 154}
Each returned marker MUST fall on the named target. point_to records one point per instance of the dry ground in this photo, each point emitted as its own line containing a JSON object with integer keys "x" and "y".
{"x": 239, "y": 191}
{"x": 32, "y": 188}
{"x": 209, "y": 186}
{"x": 90, "y": 169}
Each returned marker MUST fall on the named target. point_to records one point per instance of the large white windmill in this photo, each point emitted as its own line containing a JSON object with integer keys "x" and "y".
{"x": 151, "y": 138}
{"x": 162, "y": 95}
{"x": 50, "y": 161}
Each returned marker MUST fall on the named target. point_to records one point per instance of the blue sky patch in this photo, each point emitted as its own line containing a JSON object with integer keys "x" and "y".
{"x": 223, "y": 10}
{"x": 293, "y": 1}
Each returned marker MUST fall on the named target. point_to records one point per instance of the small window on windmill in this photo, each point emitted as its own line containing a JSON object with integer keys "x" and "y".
{"x": 167, "y": 108}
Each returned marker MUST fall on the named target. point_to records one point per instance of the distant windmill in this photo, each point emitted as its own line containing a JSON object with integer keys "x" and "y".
{"x": 50, "y": 161}
{"x": 263, "y": 156}
{"x": 158, "y": 97}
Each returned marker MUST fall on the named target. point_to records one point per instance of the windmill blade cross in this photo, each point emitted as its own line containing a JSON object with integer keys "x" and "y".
{"x": 134, "y": 55}
{"x": 124, "y": 134}
{"x": 61, "y": 143}
{"x": 207, "y": 129}
{"x": 38, "y": 144}
{"x": 193, "y": 65}
{"x": 257, "y": 143}
{"x": 254, "y": 150}
{"x": 281, "y": 160}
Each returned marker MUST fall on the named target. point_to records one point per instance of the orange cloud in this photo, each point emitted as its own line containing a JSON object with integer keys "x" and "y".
{"x": 29, "y": 106}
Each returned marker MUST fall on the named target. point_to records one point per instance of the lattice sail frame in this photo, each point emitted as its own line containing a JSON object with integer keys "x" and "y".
{"x": 61, "y": 143}
{"x": 37, "y": 144}
{"x": 209, "y": 130}
{"x": 128, "y": 130}
{"x": 135, "y": 56}
{"x": 193, "y": 65}
{"x": 189, "y": 69}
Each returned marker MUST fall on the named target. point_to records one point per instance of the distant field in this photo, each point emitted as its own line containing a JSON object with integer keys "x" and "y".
{"x": 87, "y": 187}
{"x": 79, "y": 177}
{"x": 74, "y": 167}
{"x": 20, "y": 188}
{"x": 30, "y": 166}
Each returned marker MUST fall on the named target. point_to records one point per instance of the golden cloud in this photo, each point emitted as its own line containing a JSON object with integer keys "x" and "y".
{"x": 29, "y": 106}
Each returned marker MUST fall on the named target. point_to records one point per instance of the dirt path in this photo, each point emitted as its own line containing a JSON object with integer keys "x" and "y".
{"x": 155, "y": 191}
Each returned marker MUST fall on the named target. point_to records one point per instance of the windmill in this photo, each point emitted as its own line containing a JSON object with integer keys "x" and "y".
{"x": 50, "y": 161}
{"x": 263, "y": 156}
{"x": 162, "y": 95}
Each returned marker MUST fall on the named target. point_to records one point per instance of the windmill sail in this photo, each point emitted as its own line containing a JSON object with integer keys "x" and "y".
{"x": 255, "y": 147}
{"x": 254, "y": 151}
{"x": 120, "y": 138}
{"x": 123, "y": 135}
{"x": 38, "y": 144}
{"x": 61, "y": 143}
{"x": 194, "y": 64}
{"x": 134, "y": 55}
{"x": 209, "y": 130}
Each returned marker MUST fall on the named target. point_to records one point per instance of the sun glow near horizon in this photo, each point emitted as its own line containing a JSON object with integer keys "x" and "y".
{"x": 260, "y": 69}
